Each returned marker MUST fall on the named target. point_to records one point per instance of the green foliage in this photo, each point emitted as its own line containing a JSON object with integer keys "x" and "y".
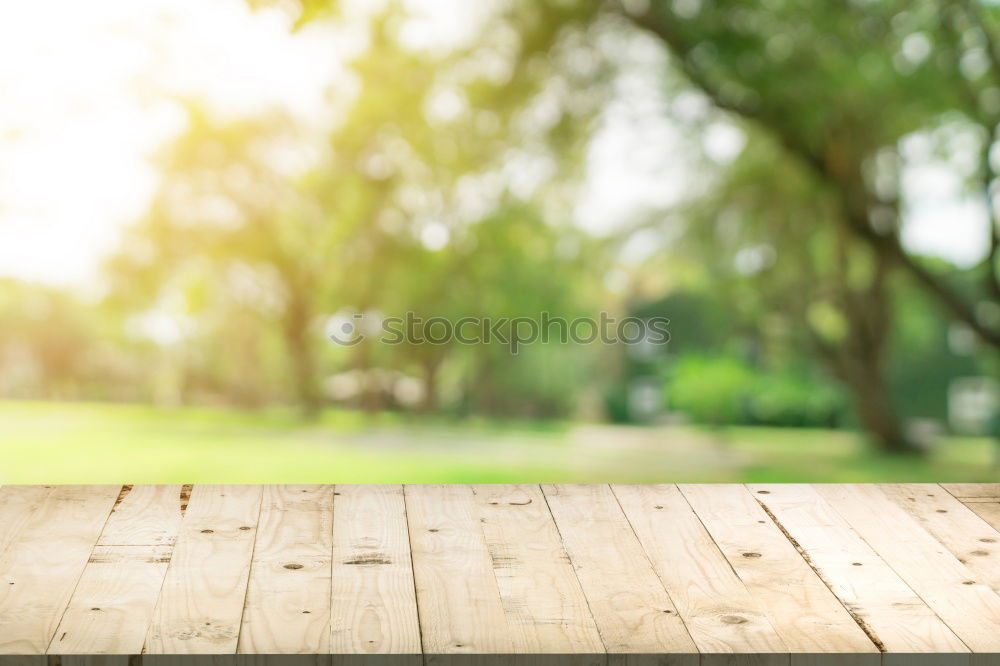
{"x": 788, "y": 399}
{"x": 824, "y": 73}
{"x": 712, "y": 390}
{"x": 54, "y": 346}
{"x": 723, "y": 390}
{"x": 615, "y": 403}
{"x": 787, "y": 256}
{"x": 403, "y": 209}
{"x": 700, "y": 321}
{"x": 838, "y": 87}
{"x": 922, "y": 362}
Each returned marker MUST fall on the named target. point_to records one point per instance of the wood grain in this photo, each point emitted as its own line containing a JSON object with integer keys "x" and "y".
{"x": 633, "y": 611}
{"x": 714, "y": 603}
{"x": 895, "y": 617}
{"x": 963, "y": 491}
{"x": 546, "y": 609}
{"x": 201, "y": 603}
{"x": 113, "y": 603}
{"x": 288, "y": 594}
{"x": 457, "y": 595}
{"x": 41, "y": 566}
{"x": 801, "y": 608}
{"x": 145, "y": 515}
{"x": 500, "y": 575}
{"x": 969, "y": 607}
{"x": 374, "y": 606}
{"x": 989, "y": 512}
{"x": 968, "y": 537}
{"x": 17, "y": 505}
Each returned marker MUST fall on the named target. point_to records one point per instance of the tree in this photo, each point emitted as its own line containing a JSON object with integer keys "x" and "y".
{"x": 837, "y": 85}
{"x": 424, "y": 155}
{"x": 424, "y": 170}
{"x": 771, "y": 239}
{"x": 231, "y": 234}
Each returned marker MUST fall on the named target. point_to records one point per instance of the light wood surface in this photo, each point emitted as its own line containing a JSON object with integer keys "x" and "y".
{"x": 544, "y": 604}
{"x": 633, "y": 611}
{"x": 967, "y": 491}
{"x": 457, "y": 594}
{"x": 518, "y": 575}
{"x": 801, "y": 608}
{"x": 202, "y": 598}
{"x": 113, "y": 603}
{"x": 964, "y": 533}
{"x": 988, "y": 511}
{"x": 374, "y": 607}
{"x": 952, "y": 590}
{"x": 892, "y": 614}
{"x": 17, "y": 505}
{"x": 287, "y": 607}
{"x": 44, "y": 561}
{"x": 714, "y": 602}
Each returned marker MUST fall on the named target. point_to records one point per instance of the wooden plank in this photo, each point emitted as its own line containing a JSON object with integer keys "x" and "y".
{"x": 714, "y": 603}
{"x": 893, "y": 615}
{"x": 457, "y": 595}
{"x": 988, "y": 512}
{"x": 374, "y": 605}
{"x": 968, "y": 537}
{"x": 146, "y": 515}
{"x": 528, "y": 576}
{"x": 798, "y": 604}
{"x": 112, "y": 606}
{"x": 968, "y": 606}
{"x": 288, "y": 596}
{"x": 973, "y": 490}
{"x": 633, "y": 611}
{"x": 546, "y": 609}
{"x": 41, "y": 567}
{"x": 201, "y": 602}
{"x": 17, "y": 505}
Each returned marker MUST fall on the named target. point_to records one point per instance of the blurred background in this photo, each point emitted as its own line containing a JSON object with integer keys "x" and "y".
{"x": 192, "y": 192}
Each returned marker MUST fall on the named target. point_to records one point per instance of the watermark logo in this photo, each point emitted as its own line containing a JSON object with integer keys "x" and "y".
{"x": 346, "y": 330}
{"x": 350, "y": 329}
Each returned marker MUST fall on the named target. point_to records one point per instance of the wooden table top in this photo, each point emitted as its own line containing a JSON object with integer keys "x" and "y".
{"x": 694, "y": 573}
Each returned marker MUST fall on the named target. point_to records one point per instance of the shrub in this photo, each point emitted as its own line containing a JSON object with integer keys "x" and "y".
{"x": 724, "y": 390}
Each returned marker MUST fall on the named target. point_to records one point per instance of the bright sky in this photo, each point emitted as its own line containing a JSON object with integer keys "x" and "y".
{"x": 87, "y": 88}
{"x": 87, "y": 92}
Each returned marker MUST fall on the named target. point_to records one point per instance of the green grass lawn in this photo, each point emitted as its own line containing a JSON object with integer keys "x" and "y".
{"x": 94, "y": 443}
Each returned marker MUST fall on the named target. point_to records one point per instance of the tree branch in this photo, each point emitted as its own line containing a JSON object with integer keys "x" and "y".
{"x": 853, "y": 202}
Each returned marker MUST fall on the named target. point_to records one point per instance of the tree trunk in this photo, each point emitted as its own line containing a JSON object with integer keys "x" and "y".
{"x": 875, "y": 411}
{"x": 842, "y": 174}
{"x": 860, "y": 359}
{"x": 300, "y": 349}
{"x": 431, "y": 365}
